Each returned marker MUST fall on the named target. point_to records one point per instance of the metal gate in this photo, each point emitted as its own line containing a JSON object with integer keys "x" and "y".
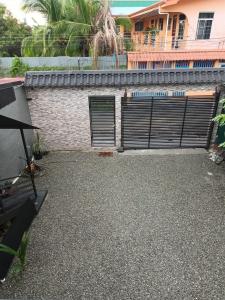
{"x": 102, "y": 119}
{"x": 167, "y": 122}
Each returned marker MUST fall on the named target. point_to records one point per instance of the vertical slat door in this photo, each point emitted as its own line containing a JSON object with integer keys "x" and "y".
{"x": 102, "y": 120}
{"x": 136, "y": 118}
{"x": 198, "y": 121}
{"x": 167, "y": 122}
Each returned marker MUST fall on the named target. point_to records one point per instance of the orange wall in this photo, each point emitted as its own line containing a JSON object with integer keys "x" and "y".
{"x": 160, "y": 37}
{"x": 191, "y": 9}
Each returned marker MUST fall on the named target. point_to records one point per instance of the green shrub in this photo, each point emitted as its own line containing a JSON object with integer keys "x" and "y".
{"x": 128, "y": 45}
{"x": 18, "y": 68}
{"x": 220, "y": 119}
{"x": 20, "y": 254}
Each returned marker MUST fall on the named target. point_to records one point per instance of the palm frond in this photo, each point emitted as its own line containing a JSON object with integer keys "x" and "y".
{"x": 73, "y": 25}
{"x": 51, "y": 9}
{"x": 125, "y": 22}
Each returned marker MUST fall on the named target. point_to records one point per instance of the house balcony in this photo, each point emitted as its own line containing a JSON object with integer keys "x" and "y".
{"x": 145, "y": 42}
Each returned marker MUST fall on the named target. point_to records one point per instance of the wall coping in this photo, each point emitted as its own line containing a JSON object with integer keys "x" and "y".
{"x": 115, "y": 78}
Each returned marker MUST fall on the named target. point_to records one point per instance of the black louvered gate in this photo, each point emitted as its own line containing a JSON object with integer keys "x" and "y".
{"x": 167, "y": 122}
{"x": 102, "y": 118}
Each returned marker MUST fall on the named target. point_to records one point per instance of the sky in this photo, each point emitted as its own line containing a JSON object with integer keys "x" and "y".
{"x": 15, "y": 6}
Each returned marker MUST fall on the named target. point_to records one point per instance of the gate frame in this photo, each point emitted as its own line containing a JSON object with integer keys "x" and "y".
{"x": 100, "y": 97}
{"x": 185, "y": 98}
{"x": 212, "y": 125}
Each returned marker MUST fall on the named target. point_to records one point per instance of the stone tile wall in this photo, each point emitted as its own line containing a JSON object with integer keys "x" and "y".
{"x": 63, "y": 113}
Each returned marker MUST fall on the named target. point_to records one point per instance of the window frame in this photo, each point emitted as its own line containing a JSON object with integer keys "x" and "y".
{"x": 169, "y": 24}
{"x": 203, "y": 64}
{"x": 142, "y": 65}
{"x": 182, "y": 64}
{"x": 138, "y": 24}
{"x": 204, "y": 35}
{"x": 161, "y": 23}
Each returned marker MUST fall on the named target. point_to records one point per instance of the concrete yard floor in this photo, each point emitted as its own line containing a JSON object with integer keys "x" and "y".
{"x": 127, "y": 227}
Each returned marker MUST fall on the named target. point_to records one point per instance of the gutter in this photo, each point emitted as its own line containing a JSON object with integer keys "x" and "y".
{"x": 145, "y": 10}
{"x": 167, "y": 23}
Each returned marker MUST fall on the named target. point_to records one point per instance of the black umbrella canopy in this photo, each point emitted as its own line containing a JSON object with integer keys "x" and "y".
{"x": 9, "y": 123}
{"x": 7, "y": 96}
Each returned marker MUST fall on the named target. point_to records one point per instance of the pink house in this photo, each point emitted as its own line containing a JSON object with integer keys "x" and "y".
{"x": 173, "y": 29}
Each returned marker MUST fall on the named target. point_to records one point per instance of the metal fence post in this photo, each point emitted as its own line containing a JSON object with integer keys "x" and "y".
{"x": 182, "y": 129}
{"x": 150, "y": 123}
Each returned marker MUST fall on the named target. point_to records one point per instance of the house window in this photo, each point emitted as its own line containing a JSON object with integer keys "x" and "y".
{"x": 181, "y": 27}
{"x": 182, "y": 64}
{"x": 167, "y": 65}
{"x": 179, "y": 93}
{"x": 139, "y": 26}
{"x": 152, "y": 23}
{"x": 146, "y": 36}
{"x": 160, "y": 24}
{"x": 203, "y": 64}
{"x": 204, "y": 26}
{"x": 153, "y": 39}
{"x": 157, "y": 65}
{"x": 142, "y": 65}
{"x": 222, "y": 63}
{"x": 170, "y": 24}
{"x": 149, "y": 94}
{"x": 117, "y": 29}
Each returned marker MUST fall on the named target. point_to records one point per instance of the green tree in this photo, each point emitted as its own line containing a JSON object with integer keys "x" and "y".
{"x": 12, "y": 33}
{"x": 220, "y": 119}
{"x": 74, "y": 27}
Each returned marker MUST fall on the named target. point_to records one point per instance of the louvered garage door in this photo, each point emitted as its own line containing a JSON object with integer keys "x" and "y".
{"x": 102, "y": 118}
{"x": 167, "y": 122}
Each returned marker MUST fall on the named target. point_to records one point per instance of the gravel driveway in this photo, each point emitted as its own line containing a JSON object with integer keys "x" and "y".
{"x": 127, "y": 227}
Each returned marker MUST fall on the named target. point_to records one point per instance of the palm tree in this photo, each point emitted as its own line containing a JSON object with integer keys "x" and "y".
{"x": 51, "y": 9}
{"x": 73, "y": 27}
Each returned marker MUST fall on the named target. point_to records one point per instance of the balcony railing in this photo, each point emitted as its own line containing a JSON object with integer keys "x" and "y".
{"x": 144, "y": 41}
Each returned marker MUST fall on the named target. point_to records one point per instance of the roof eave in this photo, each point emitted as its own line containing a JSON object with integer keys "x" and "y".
{"x": 170, "y": 3}
{"x": 146, "y": 10}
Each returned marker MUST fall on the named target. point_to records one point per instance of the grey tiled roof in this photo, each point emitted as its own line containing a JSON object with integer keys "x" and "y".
{"x": 123, "y": 78}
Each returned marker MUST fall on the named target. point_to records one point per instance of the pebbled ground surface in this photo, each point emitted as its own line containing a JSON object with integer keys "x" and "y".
{"x": 127, "y": 227}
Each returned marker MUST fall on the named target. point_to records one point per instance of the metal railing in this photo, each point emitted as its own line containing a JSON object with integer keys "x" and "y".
{"x": 144, "y": 40}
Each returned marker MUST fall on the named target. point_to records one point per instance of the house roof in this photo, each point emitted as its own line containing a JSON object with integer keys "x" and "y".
{"x": 7, "y": 82}
{"x": 145, "y": 10}
{"x": 162, "y": 3}
{"x": 123, "y": 78}
{"x": 176, "y": 55}
{"x": 132, "y": 3}
{"x": 170, "y": 2}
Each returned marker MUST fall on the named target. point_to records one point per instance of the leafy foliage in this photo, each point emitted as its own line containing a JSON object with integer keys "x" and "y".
{"x": 220, "y": 119}
{"x": 74, "y": 27}
{"x": 125, "y": 22}
{"x": 20, "y": 253}
{"x": 12, "y": 33}
{"x": 18, "y": 67}
{"x": 36, "y": 147}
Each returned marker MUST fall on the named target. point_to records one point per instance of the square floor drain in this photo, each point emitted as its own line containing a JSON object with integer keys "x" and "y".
{"x": 105, "y": 154}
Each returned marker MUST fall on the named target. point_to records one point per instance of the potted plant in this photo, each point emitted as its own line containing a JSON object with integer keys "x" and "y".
{"x": 36, "y": 148}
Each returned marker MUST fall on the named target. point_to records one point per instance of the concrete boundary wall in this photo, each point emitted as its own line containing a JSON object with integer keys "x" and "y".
{"x": 104, "y": 62}
{"x": 63, "y": 113}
